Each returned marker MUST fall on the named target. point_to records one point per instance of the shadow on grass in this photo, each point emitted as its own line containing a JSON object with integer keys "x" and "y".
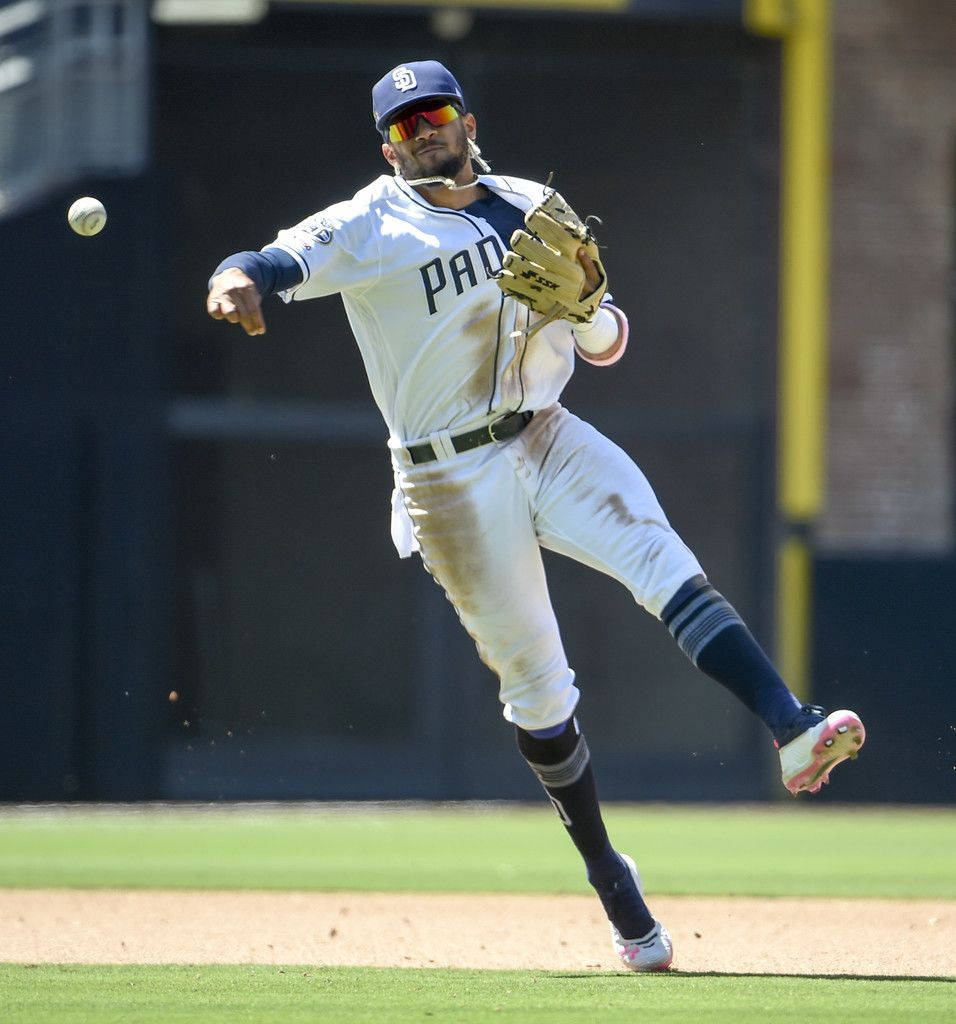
{"x": 944, "y": 978}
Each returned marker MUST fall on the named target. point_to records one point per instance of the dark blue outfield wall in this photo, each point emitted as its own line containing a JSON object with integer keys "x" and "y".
{"x": 84, "y": 564}
{"x": 885, "y": 645}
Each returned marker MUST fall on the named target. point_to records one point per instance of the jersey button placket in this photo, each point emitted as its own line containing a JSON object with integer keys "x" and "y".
{"x": 517, "y": 460}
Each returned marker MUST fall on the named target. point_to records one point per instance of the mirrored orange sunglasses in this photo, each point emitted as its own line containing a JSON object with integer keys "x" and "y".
{"x": 404, "y": 128}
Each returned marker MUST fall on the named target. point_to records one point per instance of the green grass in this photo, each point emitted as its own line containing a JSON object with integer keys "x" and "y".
{"x": 295, "y": 995}
{"x": 780, "y": 849}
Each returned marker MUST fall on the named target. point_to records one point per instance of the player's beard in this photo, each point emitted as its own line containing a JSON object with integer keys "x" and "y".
{"x": 448, "y": 167}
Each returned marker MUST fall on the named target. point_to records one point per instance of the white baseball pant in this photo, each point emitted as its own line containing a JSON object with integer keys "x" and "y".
{"x": 481, "y": 517}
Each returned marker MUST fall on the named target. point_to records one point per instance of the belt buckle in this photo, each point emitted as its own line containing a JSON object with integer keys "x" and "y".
{"x": 494, "y": 423}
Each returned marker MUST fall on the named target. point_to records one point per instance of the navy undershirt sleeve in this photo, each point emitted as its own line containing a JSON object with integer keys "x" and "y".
{"x": 499, "y": 213}
{"x": 272, "y": 270}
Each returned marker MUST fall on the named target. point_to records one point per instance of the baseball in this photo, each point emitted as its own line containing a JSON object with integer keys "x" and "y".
{"x": 87, "y": 216}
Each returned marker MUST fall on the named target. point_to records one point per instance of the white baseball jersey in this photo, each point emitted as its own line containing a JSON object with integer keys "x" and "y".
{"x": 434, "y": 329}
{"x": 444, "y": 352}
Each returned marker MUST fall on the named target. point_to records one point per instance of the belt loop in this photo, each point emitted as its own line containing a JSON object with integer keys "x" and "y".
{"x": 442, "y": 445}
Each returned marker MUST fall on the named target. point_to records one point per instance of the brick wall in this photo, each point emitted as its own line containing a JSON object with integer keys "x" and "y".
{"x": 890, "y": 471}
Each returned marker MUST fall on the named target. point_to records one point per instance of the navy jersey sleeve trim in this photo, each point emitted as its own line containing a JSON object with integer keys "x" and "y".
{"x": 271, "y": 270}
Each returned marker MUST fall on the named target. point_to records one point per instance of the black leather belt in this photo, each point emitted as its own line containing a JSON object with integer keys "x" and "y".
{"x": 498, "y": 430}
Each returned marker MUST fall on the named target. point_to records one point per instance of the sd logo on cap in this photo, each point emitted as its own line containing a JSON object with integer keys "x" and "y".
{"x": 409, "y": 83}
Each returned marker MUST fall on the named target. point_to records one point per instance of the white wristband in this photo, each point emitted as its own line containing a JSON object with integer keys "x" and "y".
{"x": 598, "y": 335}
{"x": 613, "y": 348}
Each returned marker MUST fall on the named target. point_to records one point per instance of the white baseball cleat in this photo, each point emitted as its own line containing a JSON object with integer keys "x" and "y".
{"x": 653, "y": 951}
{"x": 807, "y": 760}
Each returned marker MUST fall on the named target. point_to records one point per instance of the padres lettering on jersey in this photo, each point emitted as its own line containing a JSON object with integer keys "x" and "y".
{"x": 461, "y": 269}
{"x": 434, "y": 330}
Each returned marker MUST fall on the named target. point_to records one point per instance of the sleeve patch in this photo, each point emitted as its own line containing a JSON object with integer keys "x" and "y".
{"x": 321, "y": 230}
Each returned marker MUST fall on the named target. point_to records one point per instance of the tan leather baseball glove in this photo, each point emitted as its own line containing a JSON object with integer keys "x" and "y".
{"x": 542, "y": 270}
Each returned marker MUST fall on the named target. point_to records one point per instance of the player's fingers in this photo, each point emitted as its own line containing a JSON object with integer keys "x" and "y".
{"x": 249, "y": 317}
{"x": 221, "y": 307}
{"x": 253, "y": 322}
{"x": 246, "y": 301}
{"x": 592, "y": 276}
{"x": 240, "y": 301}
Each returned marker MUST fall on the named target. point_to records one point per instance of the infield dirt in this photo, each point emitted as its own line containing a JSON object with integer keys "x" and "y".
{"x": 711, "y": 934}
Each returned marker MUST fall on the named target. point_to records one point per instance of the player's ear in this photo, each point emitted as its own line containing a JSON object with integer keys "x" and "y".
{"x": 389, "y": 154}
{"x": 471, "y": 126}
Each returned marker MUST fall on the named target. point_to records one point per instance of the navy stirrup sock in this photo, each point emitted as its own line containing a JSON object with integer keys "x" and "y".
{"x": 711, "y": 633}
{"x": 560, "y": 759}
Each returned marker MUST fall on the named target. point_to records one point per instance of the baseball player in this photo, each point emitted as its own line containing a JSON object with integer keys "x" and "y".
{"x": 470, "y": 295}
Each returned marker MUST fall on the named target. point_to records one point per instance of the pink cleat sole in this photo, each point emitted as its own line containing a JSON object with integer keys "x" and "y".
{"x": 807, "y": 761}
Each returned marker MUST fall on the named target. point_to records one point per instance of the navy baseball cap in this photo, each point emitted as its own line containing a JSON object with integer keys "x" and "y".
{"x": 410, "y": 83}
